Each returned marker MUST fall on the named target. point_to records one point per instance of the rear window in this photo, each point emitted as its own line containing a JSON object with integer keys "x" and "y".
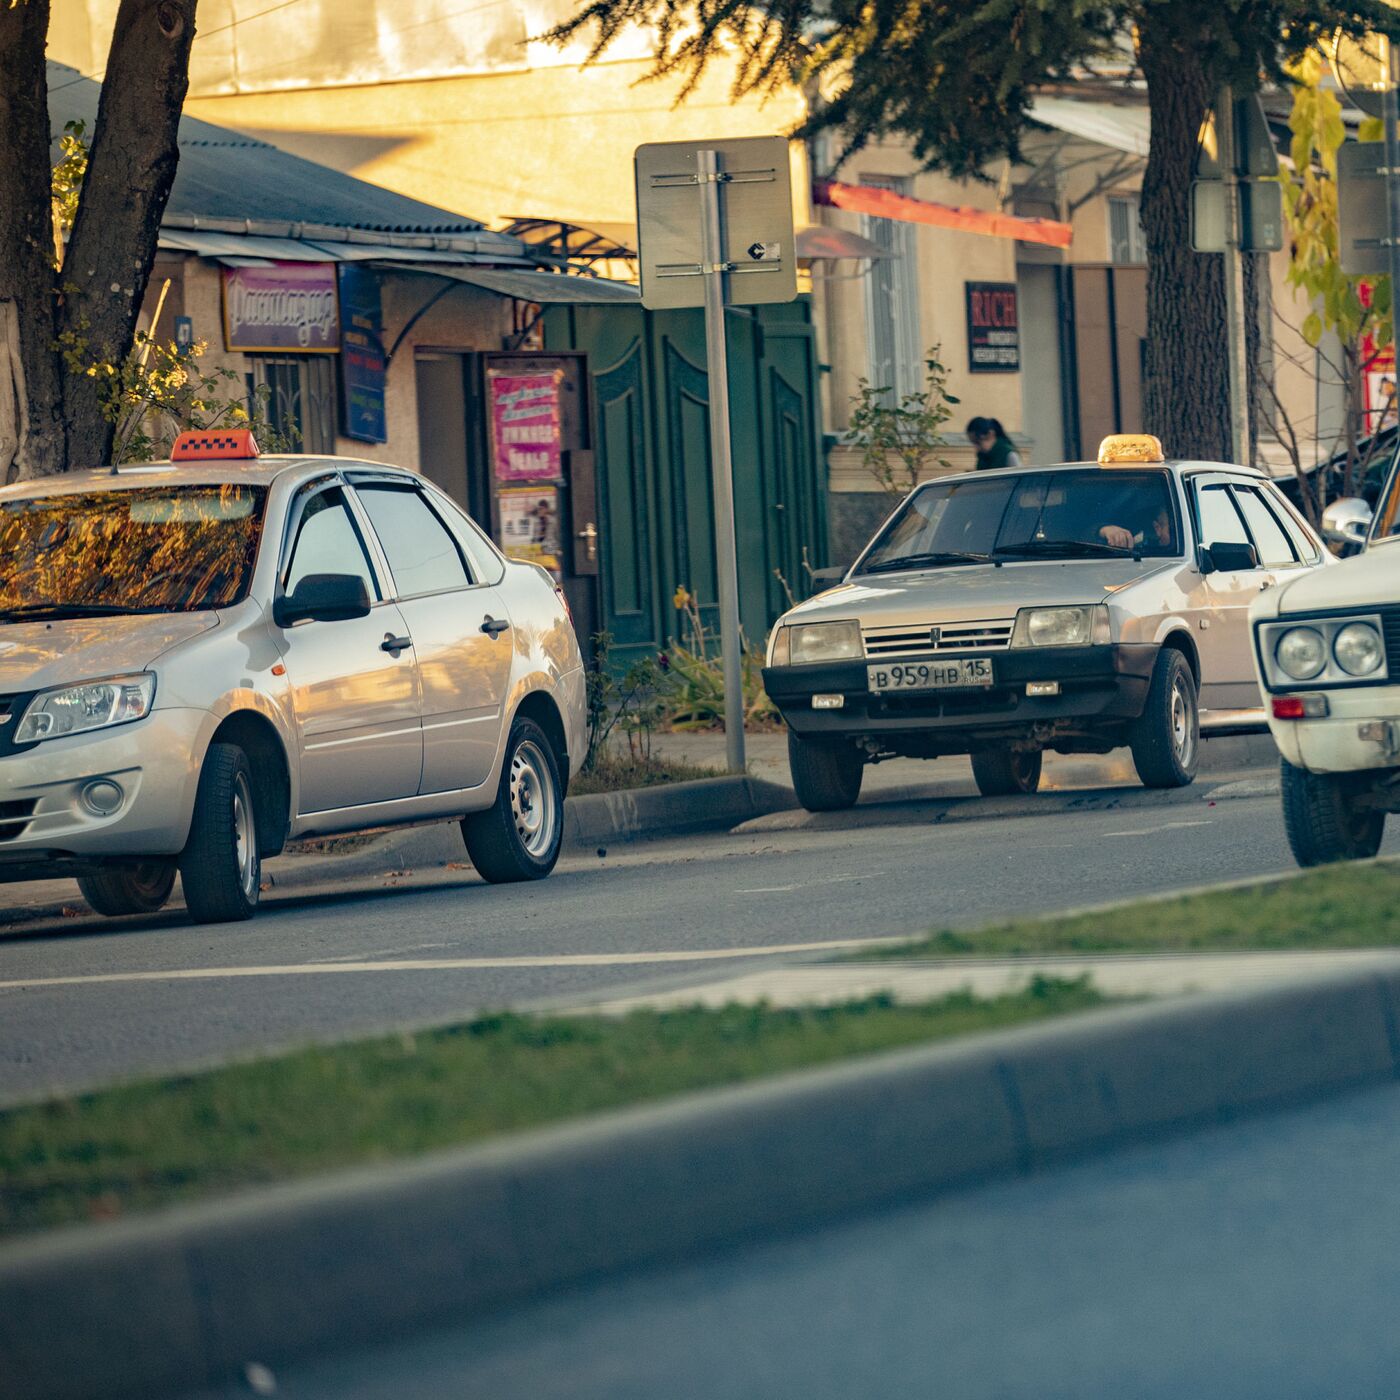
{"x": 149, "y": 549}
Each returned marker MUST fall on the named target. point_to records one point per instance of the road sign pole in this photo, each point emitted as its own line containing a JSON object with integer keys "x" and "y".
{"x": 721, "y": 455}
{"x": 1234, "y": 279}
{"x": 1390, "y": 119}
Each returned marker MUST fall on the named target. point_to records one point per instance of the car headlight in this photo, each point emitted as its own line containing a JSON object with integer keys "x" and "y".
{"x": 1358, "y": 649}
{"x": 1301, "y": 653}
{"x": 1061, "y": 627}
{"x": 824, "y": 641}
{"x": 77, "y": 709}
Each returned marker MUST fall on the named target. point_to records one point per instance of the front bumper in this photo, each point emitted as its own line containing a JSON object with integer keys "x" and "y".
{"x": 45, "y": 826}
{"x": 1100, "y": 687}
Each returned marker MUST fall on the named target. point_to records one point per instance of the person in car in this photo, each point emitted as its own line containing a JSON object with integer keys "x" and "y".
{"x": 1158, "y": 531}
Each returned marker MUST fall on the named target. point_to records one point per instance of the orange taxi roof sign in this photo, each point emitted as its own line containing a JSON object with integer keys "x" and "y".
{"x": 219, "y": 444}
{"x": 1123, "y": 448}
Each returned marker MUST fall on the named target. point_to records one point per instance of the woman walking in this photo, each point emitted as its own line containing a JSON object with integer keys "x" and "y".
{"x": 994, "y": 447}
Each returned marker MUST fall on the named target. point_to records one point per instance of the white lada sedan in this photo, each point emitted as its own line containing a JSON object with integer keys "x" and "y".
{"x": 203, "y": 658}
{"x": 1328, "y": 651}
{"x": 1074, "y": 608}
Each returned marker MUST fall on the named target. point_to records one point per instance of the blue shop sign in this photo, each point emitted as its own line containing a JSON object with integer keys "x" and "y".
{"x": 363, "y": 366}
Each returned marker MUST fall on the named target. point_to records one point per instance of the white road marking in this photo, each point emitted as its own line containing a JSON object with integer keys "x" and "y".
{"x": 828, "y": 880}
{"x": 195, "y": 974}
{"x": 1154, "y": 830}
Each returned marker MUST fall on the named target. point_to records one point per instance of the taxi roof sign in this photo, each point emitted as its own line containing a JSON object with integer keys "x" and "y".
{"x": 219, "y": 444}
{"x": 1120, "y": 449}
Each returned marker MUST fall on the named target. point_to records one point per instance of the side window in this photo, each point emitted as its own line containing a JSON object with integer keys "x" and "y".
{"x": 1303, "y": 543}
{"x": 1220, "y": 521}
{"x": 486, "y": 564}
{"x": 422, "y": 554}
{"x": 328, "y": 542}
{"x": 1275, "y": 550}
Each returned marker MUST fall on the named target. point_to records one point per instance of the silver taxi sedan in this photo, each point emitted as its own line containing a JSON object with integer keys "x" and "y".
{"x": 1075, "y": 608}
{"x": 203, "y": 658}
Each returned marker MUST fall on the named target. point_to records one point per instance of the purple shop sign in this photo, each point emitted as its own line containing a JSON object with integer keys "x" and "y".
{"x": 288, "y": 306}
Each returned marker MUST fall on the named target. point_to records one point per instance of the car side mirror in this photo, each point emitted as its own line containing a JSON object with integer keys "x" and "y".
{"x": 1230, "y": 557}
{"x": 323, "y": 598}
{"x": 1347, "y": 521}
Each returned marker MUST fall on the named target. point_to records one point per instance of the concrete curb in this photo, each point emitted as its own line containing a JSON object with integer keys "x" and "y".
{"x": 187, "y": 1298}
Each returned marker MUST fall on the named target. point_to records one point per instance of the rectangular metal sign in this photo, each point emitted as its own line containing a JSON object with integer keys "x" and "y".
{"x": 1261, "y": 216}
{"x": 759, "y": 258}
{"x": 993, "y": 328}
{"x": 1361, "y": 208}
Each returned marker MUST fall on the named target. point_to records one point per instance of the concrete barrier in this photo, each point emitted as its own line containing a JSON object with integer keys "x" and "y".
{"x": 187, "y": 1298}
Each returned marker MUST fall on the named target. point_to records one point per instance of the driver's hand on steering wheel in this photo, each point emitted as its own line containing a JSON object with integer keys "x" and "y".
{"x": 1117, "y": 536}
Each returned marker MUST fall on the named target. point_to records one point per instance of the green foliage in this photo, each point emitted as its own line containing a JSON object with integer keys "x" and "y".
{"x": 161, "y": 390}
{"x": 898, "y": 437}
{"x": 1310, "y": 206}
{"x": 693, "y": 696}
{"x": 630, "y": 705}
{"x": 957, "y": 80}
{"x": 144, "y": 1145}
{"x": 68, "y": 180}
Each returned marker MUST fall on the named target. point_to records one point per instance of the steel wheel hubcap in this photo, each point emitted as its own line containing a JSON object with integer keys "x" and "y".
{"x": 245, "y": 837}
{"x": 532, "y": 799}
{"x": 1182, "y": 722}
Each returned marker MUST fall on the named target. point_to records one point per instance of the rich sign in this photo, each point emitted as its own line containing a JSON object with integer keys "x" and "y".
{"x": 289, "y": 306}
{"x": 993, "y": 328}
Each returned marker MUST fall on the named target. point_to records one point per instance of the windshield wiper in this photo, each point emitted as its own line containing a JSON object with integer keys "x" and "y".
{"x": 934, "y": 560}
{"x": 40, "y": 611}
{"x": 1069, "y": 549}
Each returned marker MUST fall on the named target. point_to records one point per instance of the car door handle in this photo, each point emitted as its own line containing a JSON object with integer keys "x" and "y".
{"x": 394, "y": 645}
{"x": 494, "y": 626}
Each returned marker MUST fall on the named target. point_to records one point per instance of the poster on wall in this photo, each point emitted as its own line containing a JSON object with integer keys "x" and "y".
{"x": 363, "y": 364}
{"x": 993, "y": 329}
{"x": 530, "y": 525}
{"x": 289, "y": 306}
{"x": 526, "y": 425}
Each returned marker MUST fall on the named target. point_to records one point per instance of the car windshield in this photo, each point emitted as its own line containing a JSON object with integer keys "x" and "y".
{"x": 148, "y": 549}
{"x": 1087, "y": 514}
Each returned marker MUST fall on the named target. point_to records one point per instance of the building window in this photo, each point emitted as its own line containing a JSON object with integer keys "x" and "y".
{"x": 1125, "y": 241}
{"x": 892, "y": 300}
{"x": 301, "y": 398}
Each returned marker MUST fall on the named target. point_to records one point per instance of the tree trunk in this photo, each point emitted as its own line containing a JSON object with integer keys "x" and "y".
{"x": 31, "y": 419}
{"x": 1186, "y": 396}
{"x": 131, "y": 168}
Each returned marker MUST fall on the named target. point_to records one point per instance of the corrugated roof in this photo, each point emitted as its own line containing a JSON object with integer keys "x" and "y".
{"x": 224, "y": 175}
{"x": 543, "y": 288}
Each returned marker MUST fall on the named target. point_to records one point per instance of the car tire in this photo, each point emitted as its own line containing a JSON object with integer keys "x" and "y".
{"x": 1007, "y": 772}
{"x": 220, "y": 868}
{"x": 825, "y": 776}
{"x": 1322, "y": 818}
{"x": 139, "y": 889}
{"x": 1166, "y": 739}
{"x": 520, "y": 835}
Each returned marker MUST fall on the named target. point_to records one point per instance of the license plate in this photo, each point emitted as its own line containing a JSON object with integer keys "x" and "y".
{"x": 930, "y": 675}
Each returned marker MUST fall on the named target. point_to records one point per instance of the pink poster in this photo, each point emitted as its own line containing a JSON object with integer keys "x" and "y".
{"x": 525, "y": 426}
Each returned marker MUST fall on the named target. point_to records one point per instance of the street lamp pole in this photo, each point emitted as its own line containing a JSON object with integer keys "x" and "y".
{"x": 1236, "y": 340}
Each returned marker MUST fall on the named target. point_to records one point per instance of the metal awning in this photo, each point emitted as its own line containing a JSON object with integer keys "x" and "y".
{"x": 543, "y": 288}
{"x": 253, "y": 250}
{"x": 1120, "y": 128}
{"x": 886, "y": 204}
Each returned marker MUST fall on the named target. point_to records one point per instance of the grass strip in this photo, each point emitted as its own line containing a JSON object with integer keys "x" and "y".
{"x": 1339, "y": 906}
{"x": 142, "y": 1145}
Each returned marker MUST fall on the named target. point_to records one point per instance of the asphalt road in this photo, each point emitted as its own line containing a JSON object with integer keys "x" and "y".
{"x": 1241, "y": 1263}
{"x": 138, "y": 996}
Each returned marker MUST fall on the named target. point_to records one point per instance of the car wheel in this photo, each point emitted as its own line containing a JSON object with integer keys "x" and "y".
{"x": 1007, "y": 772}
{"x": 825, "y": 776}
{"x": 519, "y": 836}
{"x": 1323, "y": 818}
{"x": 220, "y": 868}
{"x": 141, "y": 889}
{"x": 1166, "y": 739}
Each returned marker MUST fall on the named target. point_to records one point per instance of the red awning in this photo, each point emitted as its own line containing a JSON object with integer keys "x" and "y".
{"x": 886, "y": 204}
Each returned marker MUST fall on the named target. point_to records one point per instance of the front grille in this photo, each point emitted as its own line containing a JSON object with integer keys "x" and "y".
{"x": 952, "y": 636}
{"x": 7, "y": 703}
{"x": 14, "y": 818}
{"x": 1390, "y": 620}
